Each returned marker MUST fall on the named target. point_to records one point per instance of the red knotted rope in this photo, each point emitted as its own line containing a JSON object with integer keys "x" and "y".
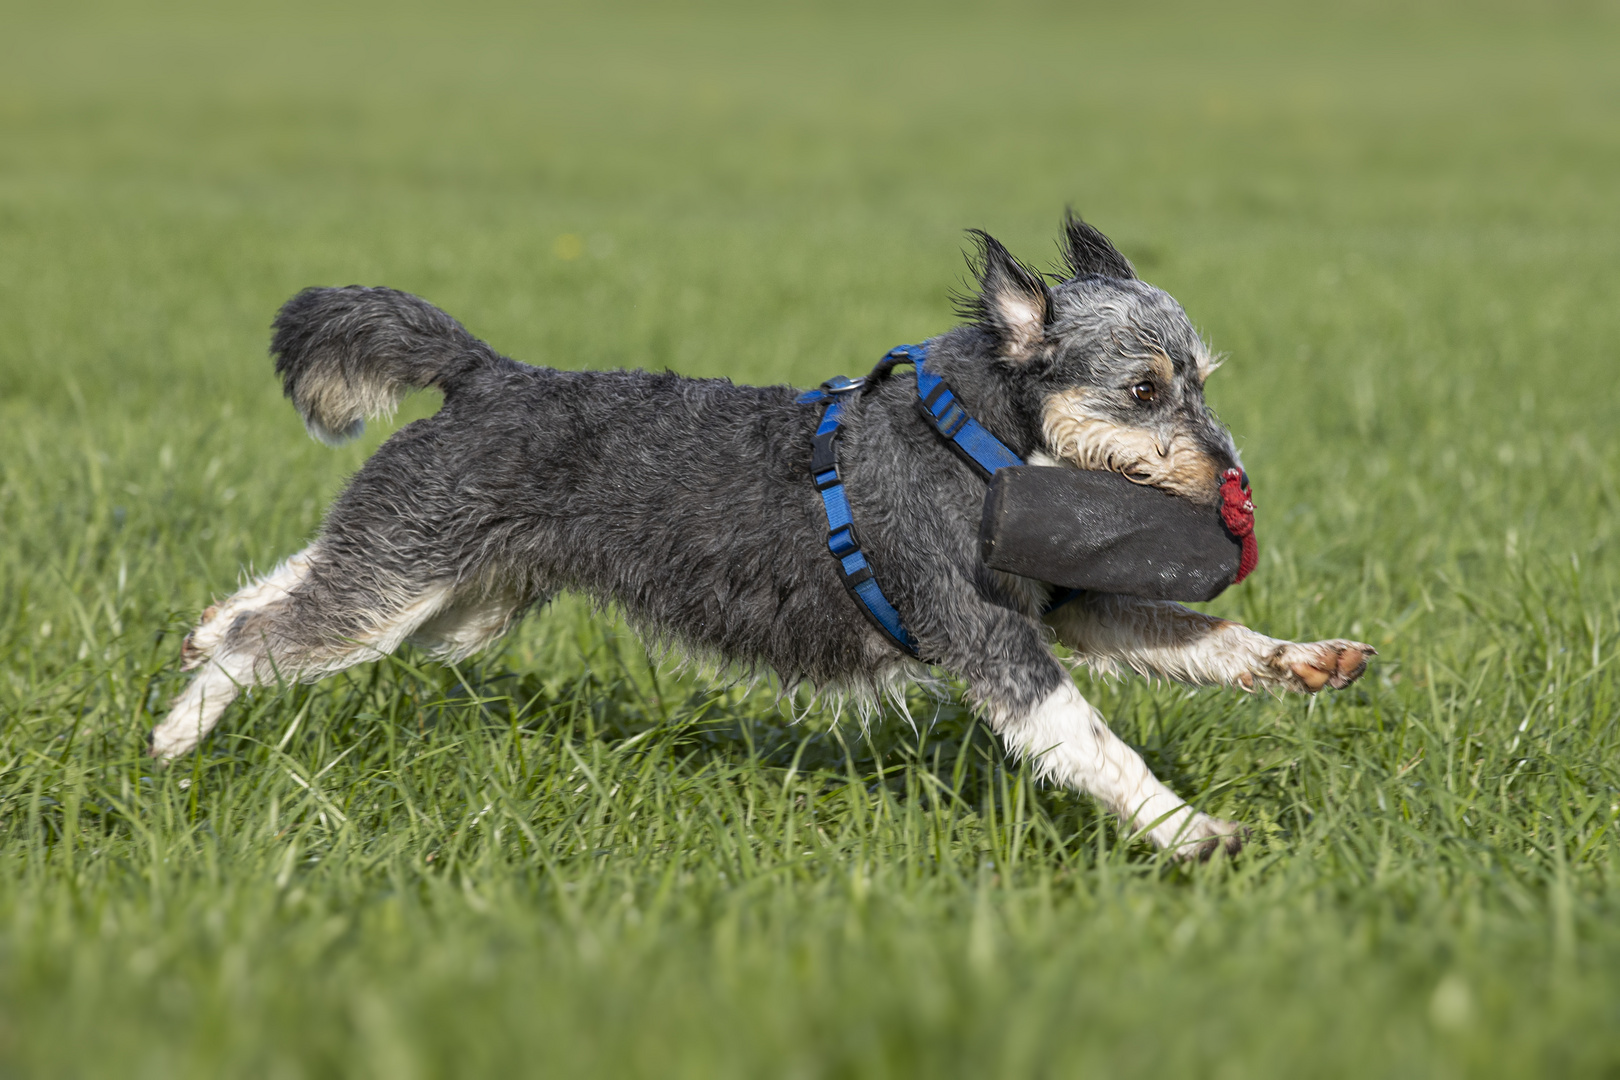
{"x": 1237, "y": 511}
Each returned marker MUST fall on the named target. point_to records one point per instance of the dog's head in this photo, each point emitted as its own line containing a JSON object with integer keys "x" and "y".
{"x": 1110, "y": 367}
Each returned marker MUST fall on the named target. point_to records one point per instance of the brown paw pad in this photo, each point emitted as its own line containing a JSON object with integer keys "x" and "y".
{"x": 1352, "y": 662}
{"x": 1336, "y": 664}
{"x": 1312, "y": 677}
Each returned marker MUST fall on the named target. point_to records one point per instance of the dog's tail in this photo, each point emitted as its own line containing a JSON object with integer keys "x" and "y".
{"x": 346, "y": 354}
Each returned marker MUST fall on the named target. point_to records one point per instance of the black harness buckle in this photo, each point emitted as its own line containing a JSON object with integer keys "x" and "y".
{"x": 824, "y": 453}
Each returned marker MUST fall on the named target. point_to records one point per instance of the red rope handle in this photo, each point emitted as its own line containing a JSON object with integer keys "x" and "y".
{"x": 1237, "y": 511}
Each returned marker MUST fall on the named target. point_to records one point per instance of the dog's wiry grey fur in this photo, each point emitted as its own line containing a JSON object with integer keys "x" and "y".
{"x": 688, "y": 504}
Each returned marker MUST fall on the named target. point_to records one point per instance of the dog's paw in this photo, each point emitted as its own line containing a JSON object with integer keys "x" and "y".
{"x": 1309, "y": 667}
{"x": 1205, "y": 835}
{"x": 168, "y": 740}
{"x": 192, "y": 651}
{"x": 190, "y": 655}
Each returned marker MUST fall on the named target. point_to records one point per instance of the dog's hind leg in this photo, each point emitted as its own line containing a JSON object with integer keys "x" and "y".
{"x": 225, "y": 673}
{"x": 304, "y": 620}
{"x": 218, "y": 618}
{"x": 472, "y": 620}
{"x": 1157, "y": 637}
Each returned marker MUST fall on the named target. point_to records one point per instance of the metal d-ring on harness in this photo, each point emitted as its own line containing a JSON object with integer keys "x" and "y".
{"x": 966, "y": 436}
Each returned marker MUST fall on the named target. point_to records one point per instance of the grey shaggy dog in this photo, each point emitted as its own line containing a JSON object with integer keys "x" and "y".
{"x": 688, "y": 504}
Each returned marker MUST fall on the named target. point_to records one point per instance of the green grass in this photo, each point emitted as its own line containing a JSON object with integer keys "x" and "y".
{"x": 561, "y": 858}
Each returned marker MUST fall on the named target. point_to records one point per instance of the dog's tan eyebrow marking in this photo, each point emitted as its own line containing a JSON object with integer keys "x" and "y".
{"x": 1162, "y": 367}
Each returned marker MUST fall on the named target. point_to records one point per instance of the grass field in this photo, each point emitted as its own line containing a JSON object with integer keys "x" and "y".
{"x": 564, "y": 858}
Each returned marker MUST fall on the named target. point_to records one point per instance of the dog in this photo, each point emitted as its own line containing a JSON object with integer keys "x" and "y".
{"x": 688, "y": 504}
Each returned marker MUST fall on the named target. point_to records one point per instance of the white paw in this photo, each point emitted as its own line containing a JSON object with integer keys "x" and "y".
{"x": 1309, "y": 667}
{"x": 1204, "y": 836}
{"x": 174, "y": 738}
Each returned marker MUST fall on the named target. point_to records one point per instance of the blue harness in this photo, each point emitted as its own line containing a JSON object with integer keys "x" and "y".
{"x": 966, "y": 436}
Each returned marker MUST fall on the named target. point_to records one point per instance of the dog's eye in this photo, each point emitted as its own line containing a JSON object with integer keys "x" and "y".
{"x": 1144, "y": 391}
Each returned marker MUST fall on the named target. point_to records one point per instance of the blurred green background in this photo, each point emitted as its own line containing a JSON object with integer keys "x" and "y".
{"x": 1400, "y": 221}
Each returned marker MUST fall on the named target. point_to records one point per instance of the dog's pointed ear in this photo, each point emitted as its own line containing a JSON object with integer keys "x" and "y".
{"x": 1013, "y": 302}
{"x": 1087, "y": 251}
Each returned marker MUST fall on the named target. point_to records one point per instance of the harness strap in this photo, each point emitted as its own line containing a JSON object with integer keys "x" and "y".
{"x": 842, "y": 540}
{"x": 964, "y": 435}
{"x": 968, "y": 438}
{"x": 971, "y": 441}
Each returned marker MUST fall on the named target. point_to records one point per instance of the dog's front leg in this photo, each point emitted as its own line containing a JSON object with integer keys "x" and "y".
{"x": 1067, "y": 741}
{"x": 1157, "y": 637}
